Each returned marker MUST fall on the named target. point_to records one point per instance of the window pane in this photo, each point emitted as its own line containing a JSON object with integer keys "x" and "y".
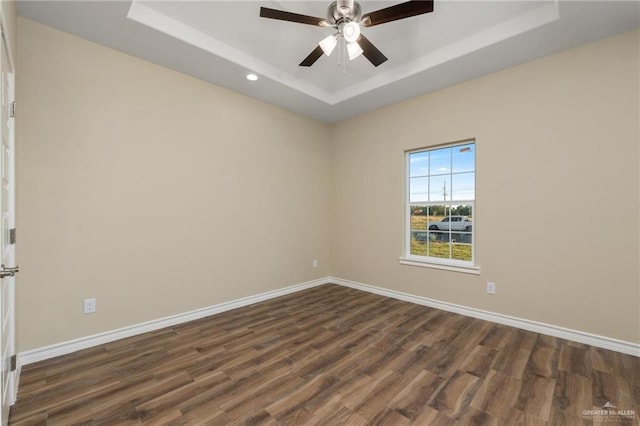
{"x": 440, "y": 188}
{"x": 419, "y": 243}
{"x": 464, "y": 158}
{"x": 418, "y": 164}
{"x": 463, "y": 186}
{"x": 461, "y": 251}
{"x": 418, "y": 189}
{"x": 463, "y": 210}
{"x": 462, "y": 234}
{"x": 440, "y": 161}
{"x": 436, "y": 214}
{"x": 439, "y": 244}
{"x": 419, "y": 217}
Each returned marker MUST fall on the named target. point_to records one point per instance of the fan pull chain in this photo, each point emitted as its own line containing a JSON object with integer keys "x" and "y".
{"x": 342, "y": 61}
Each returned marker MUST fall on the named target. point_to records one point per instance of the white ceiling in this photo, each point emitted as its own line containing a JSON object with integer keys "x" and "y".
{"x": 221, "y": 41}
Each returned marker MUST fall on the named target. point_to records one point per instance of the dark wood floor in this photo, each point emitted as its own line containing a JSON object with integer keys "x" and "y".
{"x": 331, "y": 355}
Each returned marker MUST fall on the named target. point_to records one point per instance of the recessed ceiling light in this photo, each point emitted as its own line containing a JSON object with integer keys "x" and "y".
{"x": 252, "y": 77}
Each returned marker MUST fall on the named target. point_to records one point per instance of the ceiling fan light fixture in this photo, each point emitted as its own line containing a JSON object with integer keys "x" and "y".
{"x": 354, "y": 50}
{"x": 351, "y": 31}
{"x": 346, "y": 17}
{"x": 328, "y": 44}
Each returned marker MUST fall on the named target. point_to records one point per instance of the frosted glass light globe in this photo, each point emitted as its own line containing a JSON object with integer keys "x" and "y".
{"x": 351, "y": 31}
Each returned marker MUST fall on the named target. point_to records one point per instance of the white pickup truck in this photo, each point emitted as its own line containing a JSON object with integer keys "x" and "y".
{"x": 453, "y": 223}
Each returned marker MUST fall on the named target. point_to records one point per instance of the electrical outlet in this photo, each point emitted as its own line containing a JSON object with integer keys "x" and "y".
{"x": 491, "y": 287}
{"x": 89, "y": 306}
{"x": 315, "y": 263}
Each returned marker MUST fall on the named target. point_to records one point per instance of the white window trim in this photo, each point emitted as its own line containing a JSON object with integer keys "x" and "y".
{"x": 446, "y": 266}
{"x": 469, "y": 267}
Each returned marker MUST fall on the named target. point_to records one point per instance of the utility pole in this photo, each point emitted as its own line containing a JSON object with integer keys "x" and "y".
{"x": 444, "y": 194}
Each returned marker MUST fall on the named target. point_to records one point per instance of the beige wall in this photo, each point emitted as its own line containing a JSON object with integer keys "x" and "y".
{"x": 154, "y": 192}
{"x": 10, "y": 20}
{"x": 557, "y": 190}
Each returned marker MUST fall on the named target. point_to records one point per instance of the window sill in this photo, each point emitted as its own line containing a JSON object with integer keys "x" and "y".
{"x": 455, "y": 268}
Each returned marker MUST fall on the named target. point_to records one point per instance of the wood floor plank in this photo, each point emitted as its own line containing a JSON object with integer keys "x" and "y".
{"x": 454, "y": 398}
{"x": 293, "y": 402}
{"x": 536, "y": 396}
{"x": 376, "y": 399}
{"x": 543, "y": 360}
{"x": 412, "y": 400}
{"x": 572, "y": 393}
{"x": 334, "y": 400}
{"x": 168, "y": 401}
{"x": 479, "y": 361}
{"x": 389, "y": 417}
{"x": 431, "y": 416}
{"x": 497, "y": 394}
{"x": 263, "y": 396}
{"x": 341, "y": 416}
{"x": 477, "y": 417}
{"x": 575, "y": 360}
{"x": 329, "y": 355}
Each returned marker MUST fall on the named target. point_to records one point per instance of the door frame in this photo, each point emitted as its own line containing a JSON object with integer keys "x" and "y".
{"x": 12, "y": 376}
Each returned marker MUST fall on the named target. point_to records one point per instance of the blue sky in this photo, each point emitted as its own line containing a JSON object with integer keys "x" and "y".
{"x": 452, "y": 168}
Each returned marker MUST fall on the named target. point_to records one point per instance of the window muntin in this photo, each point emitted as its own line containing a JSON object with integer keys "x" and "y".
{"x": 441, "y": 203}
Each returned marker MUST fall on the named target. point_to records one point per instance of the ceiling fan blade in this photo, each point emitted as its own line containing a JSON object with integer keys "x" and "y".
{"x": 398, "y": 11}
{"x": 312, "y": 58}
{"x": 282, "y": 15}
{"x": 375, "y": 56}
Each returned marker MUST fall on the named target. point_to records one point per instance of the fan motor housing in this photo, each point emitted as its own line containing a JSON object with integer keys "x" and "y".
{"x": 343, "y": 11}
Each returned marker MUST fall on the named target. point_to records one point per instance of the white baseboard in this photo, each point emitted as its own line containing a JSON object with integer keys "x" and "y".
{"x": 525, "y": 324}
{"x": 70, "y": 346}
{"x": 40, "y": 354}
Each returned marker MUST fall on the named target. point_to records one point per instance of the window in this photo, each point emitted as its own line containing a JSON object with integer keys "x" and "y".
{"x": 441, "y": 193}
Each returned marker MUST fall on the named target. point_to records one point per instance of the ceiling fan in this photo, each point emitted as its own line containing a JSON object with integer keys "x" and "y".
{"x": 346, "y": 17}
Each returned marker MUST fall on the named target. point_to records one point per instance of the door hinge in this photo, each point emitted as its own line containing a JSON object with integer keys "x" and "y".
{"x": 12, "y": 236}
{"x": 13, "y": 363}
{"x": 12, "y": 109}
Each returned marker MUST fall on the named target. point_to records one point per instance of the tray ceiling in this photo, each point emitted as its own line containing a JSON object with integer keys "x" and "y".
{"x": 221, "y": 41}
